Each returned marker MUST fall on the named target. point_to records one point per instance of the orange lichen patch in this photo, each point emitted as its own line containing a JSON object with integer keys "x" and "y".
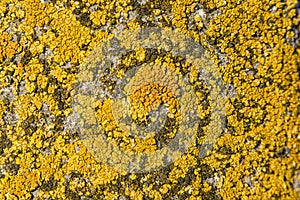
{"x": 8, "y": 48}
{"x": 148, "y": 98}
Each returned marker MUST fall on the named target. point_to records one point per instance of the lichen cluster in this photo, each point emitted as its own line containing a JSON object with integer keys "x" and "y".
{"x": 255, "y": 45}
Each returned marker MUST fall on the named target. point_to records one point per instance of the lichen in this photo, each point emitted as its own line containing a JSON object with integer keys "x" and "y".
{"x": 255, "y": 45}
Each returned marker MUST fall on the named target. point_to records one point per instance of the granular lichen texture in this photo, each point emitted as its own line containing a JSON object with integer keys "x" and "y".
{"x": 46, "y": 45}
